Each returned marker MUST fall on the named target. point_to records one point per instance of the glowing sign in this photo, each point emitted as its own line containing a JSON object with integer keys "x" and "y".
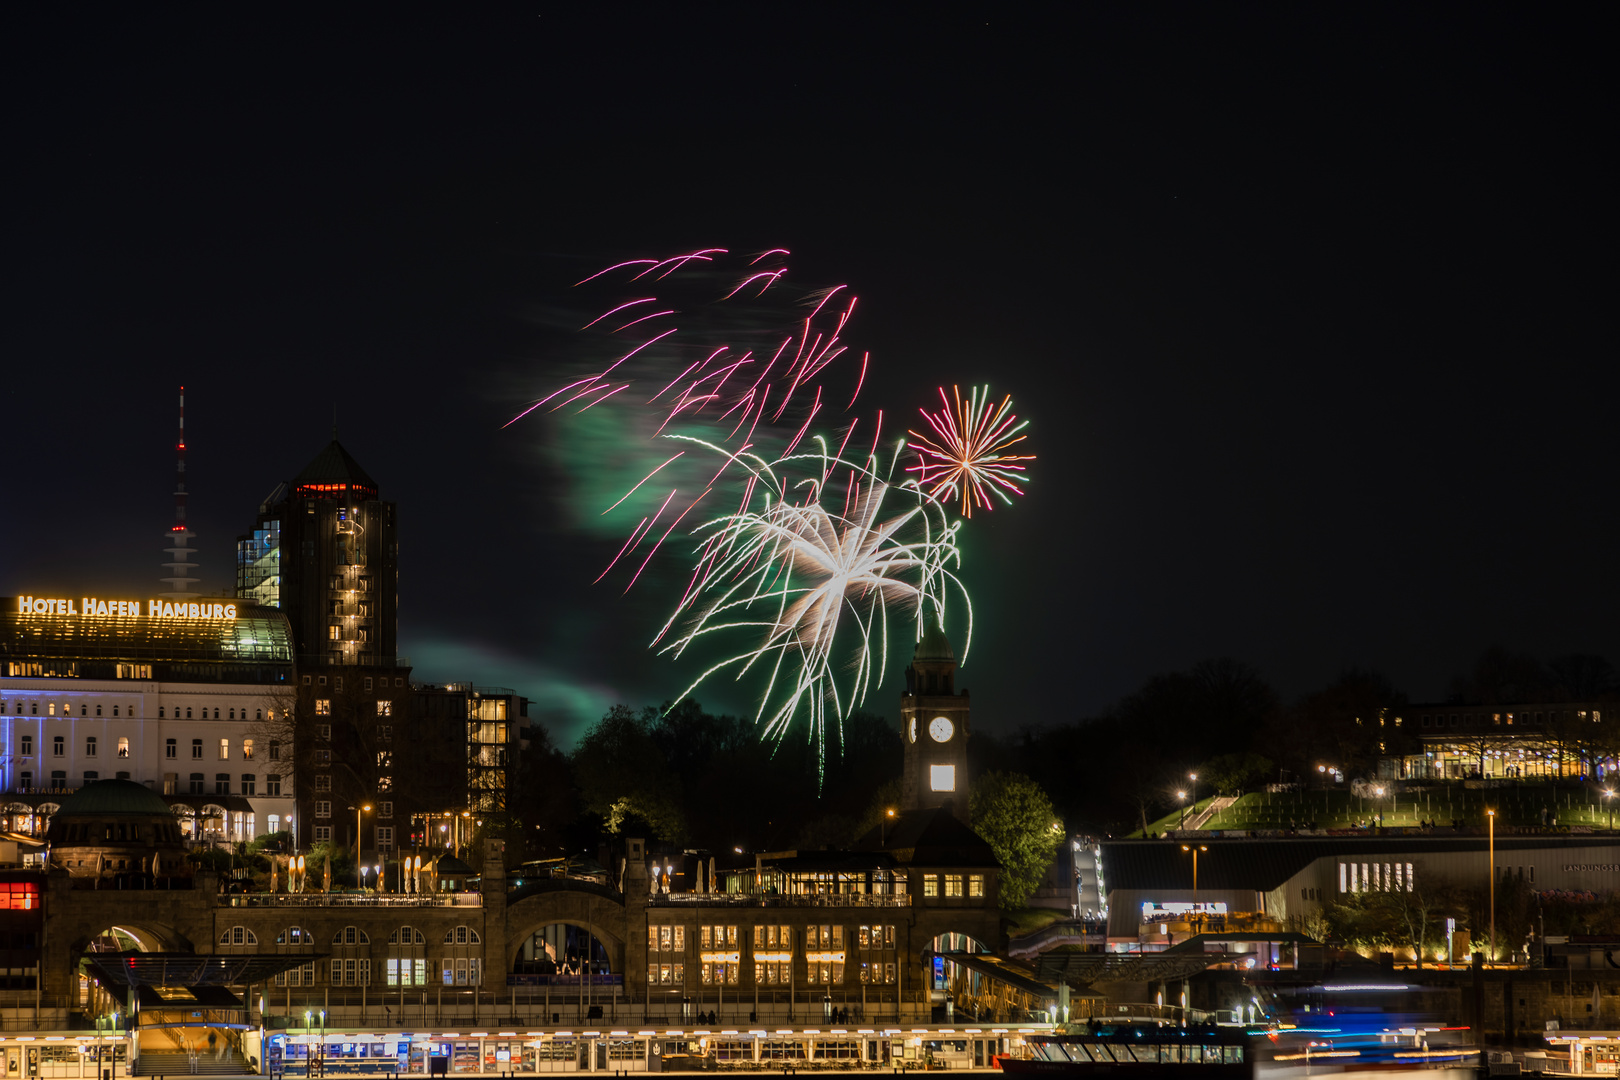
{"x": 92, "y": 607}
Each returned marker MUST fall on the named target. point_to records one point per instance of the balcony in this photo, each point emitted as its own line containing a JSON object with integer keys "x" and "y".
{"x": 810, "y": 900}
{"x": 369, "y": 900}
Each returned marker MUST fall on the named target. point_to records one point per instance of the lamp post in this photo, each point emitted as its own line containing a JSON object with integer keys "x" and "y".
{"x": 1194, "y": 778}
{"x": 359, "y": 867}
{"x": 1490, "y": 820}
{"x": 1378, "y": 793}
{"x": 1181, "y": 797}
{"x": 1195, "y": 849}
{"x": 1608, "y": 794}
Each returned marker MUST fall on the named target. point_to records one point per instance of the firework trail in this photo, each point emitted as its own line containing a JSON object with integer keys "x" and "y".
{"x": 966, "y": 456}
{"x": 810, "y": 569}
{"x": 760, "y": 384}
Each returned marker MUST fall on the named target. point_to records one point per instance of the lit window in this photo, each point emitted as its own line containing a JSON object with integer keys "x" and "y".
{"x": 224, "y": 749}
{"x": 942, "y": 777}
{"x": 385, "y": 708}
{"x": 247, "y": 749}
{"x": 975, "y": 884}
{"x": 953, "y": 884}
{"x": 323, "y": 706}
{"x": 930, "y": 884}
{"x": 123, "y": 746}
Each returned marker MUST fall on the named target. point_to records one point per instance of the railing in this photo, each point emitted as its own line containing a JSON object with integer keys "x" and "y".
{"x": 855, "y": 900}
{"x": 315, "y": 900}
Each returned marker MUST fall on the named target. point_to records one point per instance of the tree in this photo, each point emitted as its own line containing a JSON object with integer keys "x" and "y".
{"x": 623, "y": 775}
{"x": 1231, "y": 773}
{"x": 1017, "y": 820}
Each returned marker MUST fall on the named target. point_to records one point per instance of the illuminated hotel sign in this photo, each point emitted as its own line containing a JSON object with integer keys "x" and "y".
{"x": 95, "y": 608}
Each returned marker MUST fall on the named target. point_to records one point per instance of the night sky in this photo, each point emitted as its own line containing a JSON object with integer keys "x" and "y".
{"x": 1305, "y": 303}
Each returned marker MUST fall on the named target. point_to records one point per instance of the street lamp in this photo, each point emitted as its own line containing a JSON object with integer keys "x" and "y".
{"x": 1490, "y": 819}
{"x": 1378, "y": 793}
{"x": 1195, "y": 851}
{"x": 359, "y": 868}
{"x": 1194, "y": 778}
{"x": 883, "y": 827}
{"x": 1181, "y": 797}
{"x": 1607, "y": 795}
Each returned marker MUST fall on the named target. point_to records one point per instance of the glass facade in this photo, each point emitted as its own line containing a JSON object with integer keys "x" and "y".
{"x": 254, "y": 647}
{"x": 258, "y": 565}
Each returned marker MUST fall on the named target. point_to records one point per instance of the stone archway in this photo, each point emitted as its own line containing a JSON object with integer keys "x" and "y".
{"x": 600, "y": 916}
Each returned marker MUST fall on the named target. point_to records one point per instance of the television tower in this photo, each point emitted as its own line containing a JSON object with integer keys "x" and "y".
{"x": 180, "y": 536}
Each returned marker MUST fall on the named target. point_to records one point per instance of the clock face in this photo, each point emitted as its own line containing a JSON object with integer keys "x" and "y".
{"x": 941, "y": 729}
{"x": 913, "y": 729}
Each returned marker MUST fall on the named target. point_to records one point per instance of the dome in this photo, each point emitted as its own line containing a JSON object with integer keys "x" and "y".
{"x": 113, "y": 798}
{"x": 934, "y": 644}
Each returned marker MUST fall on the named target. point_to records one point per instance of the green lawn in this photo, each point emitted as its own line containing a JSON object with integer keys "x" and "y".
{"x": 1520, "y": 805}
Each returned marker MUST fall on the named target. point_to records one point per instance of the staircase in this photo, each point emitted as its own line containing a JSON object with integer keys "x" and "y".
{"x": 229, "y": 1064}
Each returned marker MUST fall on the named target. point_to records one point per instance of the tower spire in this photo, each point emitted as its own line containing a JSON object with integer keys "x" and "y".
{"x": 179, "y": 537}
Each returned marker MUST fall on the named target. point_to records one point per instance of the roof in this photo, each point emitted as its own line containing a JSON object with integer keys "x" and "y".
{"x": 1014, "y": 973}
{"x": 114, "y": 798}
{"x": 334, "y": 465}
{"x": 934, "y": 645}
{"x": 930, "y": 838}
{"x": 450, "y": 866}
{"x": 255, "y": 646}
{"x": 1264, "y": 864}
{"x": 188, "y": 970}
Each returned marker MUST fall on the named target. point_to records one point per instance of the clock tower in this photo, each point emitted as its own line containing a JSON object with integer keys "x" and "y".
{"x": 934, "y": 729}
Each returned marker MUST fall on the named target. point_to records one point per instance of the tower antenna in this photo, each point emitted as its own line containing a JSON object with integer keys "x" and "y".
{"x": 180, "y": 536}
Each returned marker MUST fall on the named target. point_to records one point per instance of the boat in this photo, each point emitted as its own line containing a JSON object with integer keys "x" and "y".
{"x": 1204, "y": 1050}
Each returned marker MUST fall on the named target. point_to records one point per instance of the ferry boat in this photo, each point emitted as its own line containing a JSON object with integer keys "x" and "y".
{"x": 1141, "y": 1049}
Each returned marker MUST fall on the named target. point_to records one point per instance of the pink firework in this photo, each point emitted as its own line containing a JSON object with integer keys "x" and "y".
{"x": 782, "y": 365}
{"x": 966, "y": 456}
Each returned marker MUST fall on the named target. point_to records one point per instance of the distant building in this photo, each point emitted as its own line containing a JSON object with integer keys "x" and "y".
{"x": 179, "y": 697}
{"x": 1555, "y": 739}
{"x": 325, "y": 550}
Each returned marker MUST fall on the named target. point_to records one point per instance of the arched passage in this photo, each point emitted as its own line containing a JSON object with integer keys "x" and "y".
{"x": 579, "y": 922}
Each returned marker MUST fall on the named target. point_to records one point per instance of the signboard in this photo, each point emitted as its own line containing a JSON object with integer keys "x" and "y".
{"x": 97, "y": 608}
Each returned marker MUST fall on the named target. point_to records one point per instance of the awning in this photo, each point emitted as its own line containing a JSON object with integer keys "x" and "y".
{"x": 138, "y": 969}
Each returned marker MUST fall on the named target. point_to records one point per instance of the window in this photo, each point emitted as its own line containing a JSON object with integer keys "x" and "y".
{"x": 975, "y": 884}
{"x": 930, "y": 884}
{"x": 333, "y": 632}
{"x": 250, "y": 783}
{"x": 188, "y": 712}
{"x": 368, "y": 682}
{"x": 58, "y": 746}
{"x": 82, "y": 710}
{"x": 384, "y": 708}
{"x": 953, "y": 884}
{"x": 323, "y": 756}
{"x": 222, "y": 783}
{"x": 171, "y": 748}
{"x": 224, "y": 749}
{"x": 197, "y": 783}
{"x": 323, "y": 834}
{"x": 275, "y": 750}
{"x": 298, "y": 976}
{"x": 323, "y": 731}
{"x": 385, "y": 838}
{"x": 247, "y": 749}
{"x": 27, "y": 745}
{"x": 323, "y": 782}
{"x": 196, "y": 748}
{"x": 942, "y": 777}
{"x": 385, "y": 732}
{"x": 272, "y": 786}
{"x": 461, "y": 935}
{"x": 323, "y": 706}
{"x": 323, "y": 808}
{"x": 385, "y": 809}
{"x": 123, "y": 746}
{"x": 238, "y": 935}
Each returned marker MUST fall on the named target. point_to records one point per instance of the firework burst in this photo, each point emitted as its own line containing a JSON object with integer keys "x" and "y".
{"x": 810, "y": 569}
{"x": 966, "y": 458}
